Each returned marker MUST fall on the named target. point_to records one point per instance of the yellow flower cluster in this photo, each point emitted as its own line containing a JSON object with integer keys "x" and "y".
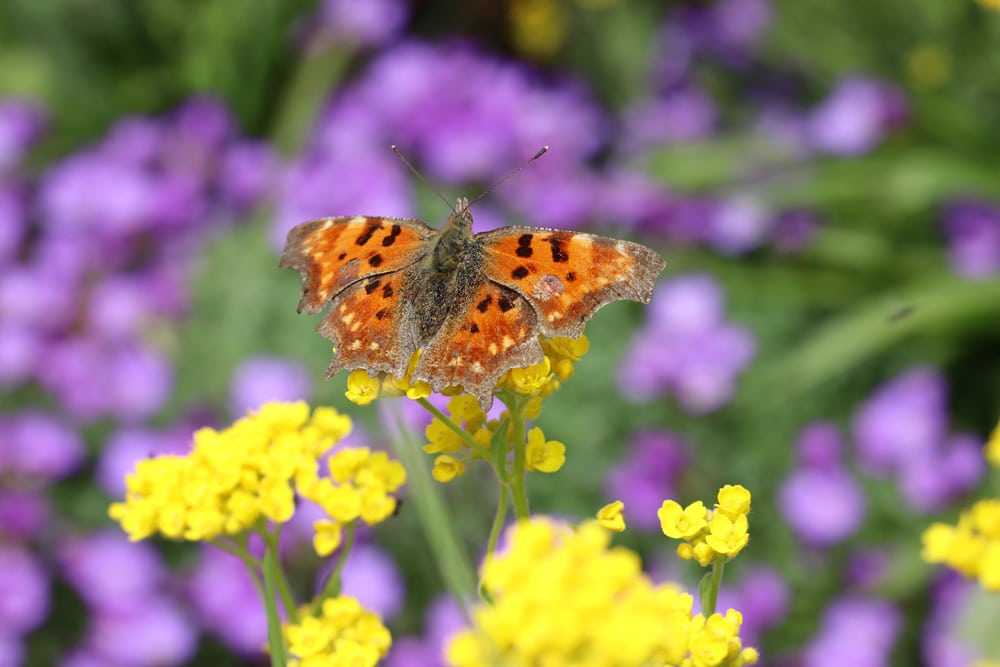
{"x": 232, "y": 478}
{"x": 710, "y": 536}
{"x": 454, "y": 450}
{"x": 360, "y": 486}
{"x": 563, "y": 596}
{"x": 343, "y": 634}
{"x": 539, "y": 380}
{"x": 972, "y": 546}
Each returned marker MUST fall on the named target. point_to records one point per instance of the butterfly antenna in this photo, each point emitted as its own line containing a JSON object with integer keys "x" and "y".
{"x": 542, "y": 151}
{"x": 395, "y": 149}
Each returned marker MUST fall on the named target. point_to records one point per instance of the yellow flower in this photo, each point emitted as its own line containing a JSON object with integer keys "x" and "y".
{"x": 682, "y": 523}
{"x": 447, "y": 468}
{"x": 725, "y": 536}
{"x": 326, "y": 536}
{"x": 538, "y": 27}
{"x": 734, "y": 501}
{"x": 564, "y": 596}
{"x": 362, "y": 388}
{"x": 610, "y": 516}
{"x": 342, "y": 634}
{"x": 531, "y": 380}
{"x": 442, "y": 438}
{"x": 544, "y": 455}
{"x": 231, "y": 478}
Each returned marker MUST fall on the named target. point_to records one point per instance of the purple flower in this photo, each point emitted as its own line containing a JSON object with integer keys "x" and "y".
{"x": 819, "y": 445}
{"x": 930, "y": 483}
{"x": 258, "y": 380}
{"x": 794, "y": 230}
{"x": 367, "y": 22}
{"x": 867, "y": 568}
{"x": 118, "y": 308}
{"x": 111, "y": 574}
{"x": 224, "y": 597}
{"x": 904, "y": 420}
{"x": 246, "y": 173}
{"x": 24, "y": 592}
{"x": 371, "y": 576}
{"x": 156, "y": 633}
{"x": 23, "y": 514}
{"x": 855, "y": 631}
{"x": 33, "y": 296}
{"x": 442, "y": 620}
{"x": 139, "y": 382}
{"x": 11, "y": 651}
{"x": 20, "y": 353}
{"x": 37, "y": 445}
{"x": 687, "y": 348}
{"x": 945, "y": 637}
{"x": 21, "y": 123}
{"x": 763, "y": 598}
{"x": 739, "y": 225}
{"x": 684, "y": 114}
{"x": 13, "y": 223}
{"x": 647, "y": 476}
{"x": 973, "y": 231}
{"x": 822, "y": 507}
{"x": 855, "y": 117}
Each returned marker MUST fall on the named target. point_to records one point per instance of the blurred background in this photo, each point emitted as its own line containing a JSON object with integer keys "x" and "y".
{"x": 821, "y": 177}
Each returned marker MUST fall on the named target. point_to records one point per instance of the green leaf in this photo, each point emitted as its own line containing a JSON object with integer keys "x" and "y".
{"x": 498, "y": 450}
{"x": 274, "y": 639}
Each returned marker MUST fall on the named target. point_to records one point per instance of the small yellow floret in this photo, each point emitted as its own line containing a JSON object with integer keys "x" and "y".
{"x": 544, "y": 455}
{"x": 447, "y": 468}
{"x": 362, "y": 388}
{"x": 733, "y": 501}
{"x": 682, "y": 523}
{"x": 610, "y": 516}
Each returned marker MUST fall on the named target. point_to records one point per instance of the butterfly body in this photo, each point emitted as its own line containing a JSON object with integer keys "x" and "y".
{"x": 474, "y": 303}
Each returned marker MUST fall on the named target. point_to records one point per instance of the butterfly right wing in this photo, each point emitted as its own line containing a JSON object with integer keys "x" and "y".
{"x": 333, "y": 253}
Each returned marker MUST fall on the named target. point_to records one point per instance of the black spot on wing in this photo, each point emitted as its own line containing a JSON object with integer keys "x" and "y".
{"x": 485, "y": 303}
{"x": 387, "y": 291}
{"x": 391, "y": 238}
{"x": 474, "y": 328}
{"x": 372, "y": 285}
{"x": 558, "y": 249}
{"x": 524, "y": 245}
{"x": 519, "y": 272}
{"x": 505, "y": 303}
{"x": 370, "y": 228}
{"x": 375, "y": 260}
{"x": 570, "y": 277}
{"x": 341, "y": 256}
{"x": 381, "y": 313}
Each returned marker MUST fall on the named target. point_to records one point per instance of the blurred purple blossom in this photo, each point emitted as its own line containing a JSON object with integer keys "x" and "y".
{"x": 903, "y": 420}
{"x": 13, "y": 223}
{"x": 247, "y": 172}
{"x": 24, "y": 592}
{"x": 35, "y": 444}
{"x": 23, "y": 514}
{"x": 794, "y": 229}
{"x": 822, "y": 506}
{"x": 855, "y": 631}
{"x": 227, "y": 603}
{"x": 819, "y": 445}
{"x": 443, "y": 618}
{"x": 258, "y": 380}
{"x": 683, "y": 114}
{"x": 973, "y": 231}
{"x": 364, "y": 22}
{"x": 11, "y": 650}
{"x": 126, "y": 447}
{"x": 867, "y": 568}
{"x": 944, "y": 640}
{"x": 647, "y": 475}
{"x": 855, "y": 116}
{"x": 739, "y": 225}
{"x": 156, "y": 633}
{"x": 686, "y": 347}
{"x": 21, "y": 124}
{"x": 111, "y": 574}
{"x": 371, "y": 576}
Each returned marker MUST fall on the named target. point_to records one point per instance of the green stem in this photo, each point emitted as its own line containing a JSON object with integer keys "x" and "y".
{"x": 444, "y": 419}
{"x": 271, "y": 539}
{"x": 498, "y": 520}
{"x": 332, "y": 588}
{"x": 710, "y": 597}
{"x": 253, "y": 565}
{"x": 438, "y": 526}
{"x": 518, "y": 488}
{"x": 275, "y": 641}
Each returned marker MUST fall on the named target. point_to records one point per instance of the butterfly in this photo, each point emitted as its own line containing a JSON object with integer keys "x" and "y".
{"x": 474, "y": 303}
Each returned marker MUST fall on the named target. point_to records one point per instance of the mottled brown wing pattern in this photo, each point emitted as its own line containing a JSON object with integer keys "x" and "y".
{"x": 568, "y": 276}
{"x": 333, "y": 253}
{"x": 371, "y": 325}
{"x": 495, "y": 331}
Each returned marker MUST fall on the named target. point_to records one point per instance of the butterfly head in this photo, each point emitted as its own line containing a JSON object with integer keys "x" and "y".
{"x": 461, "y": 217}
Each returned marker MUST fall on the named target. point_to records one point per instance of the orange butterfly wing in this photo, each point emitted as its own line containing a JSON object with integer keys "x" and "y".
{"x": 495, "y": 331}
{"x": 568, "y": 276}
{"x": 372, "y": 325}
{"x": 332, "y": 253}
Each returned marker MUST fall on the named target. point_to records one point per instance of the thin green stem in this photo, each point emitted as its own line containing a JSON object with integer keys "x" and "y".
{"x": 498, "y": 520}
{"x": 518, "y": 488}
{"x": 271, "y": 539}
{"x": 275, "y": 641}
{"x": 253, "y": 565}
{"x": 710, "y": 597}
{"x": 446, "y": 420}
{"x": 333, "y": 583}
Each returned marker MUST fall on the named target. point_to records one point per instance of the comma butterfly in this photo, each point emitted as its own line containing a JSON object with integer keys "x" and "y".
{"x": 474, "y": 303}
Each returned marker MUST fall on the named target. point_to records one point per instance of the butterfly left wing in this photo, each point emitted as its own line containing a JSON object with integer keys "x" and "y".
{"x": 332, "y": 253}
{"x": 492, "y": 330}
{"x": 568, "y": 276}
